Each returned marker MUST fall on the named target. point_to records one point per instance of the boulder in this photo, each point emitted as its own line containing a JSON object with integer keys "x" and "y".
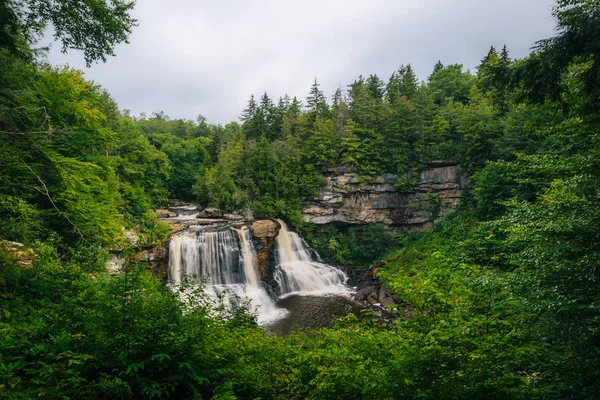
{"x": 233, "y": 217}
{"x": 364, "y": 292}
{"x": 265, "y": 229}
{"x": 372, "y": 299}
{"x": 162, "y": 213}
{"x": 210, "y": 212}
{"x": 387, "y": 301}
{"x": 175, "y": 225}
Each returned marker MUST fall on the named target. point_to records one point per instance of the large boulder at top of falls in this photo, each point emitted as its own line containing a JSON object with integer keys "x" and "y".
{"x": 265, "y": 229}
{"x": 265, "y": 232}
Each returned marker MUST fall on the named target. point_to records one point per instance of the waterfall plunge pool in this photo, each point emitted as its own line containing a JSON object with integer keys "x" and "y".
{"x": 310, "y": 293}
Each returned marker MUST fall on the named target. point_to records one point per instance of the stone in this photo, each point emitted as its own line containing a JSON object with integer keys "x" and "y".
{"x": 382, "y": 293}
{"x": 18, "y": 252}
{"x": 248, "y": 215}
{"x": 175, "y": 226}
{"x": 372, "y": 299}
{"x": 233, "y": 217}
{"x": 115, "y": 264}
{"x": 387, "y": 301}
{"x": 264, "y": 228}
{"x": 162, "y": 213}
{"x": 346, "y": 200}
{"x": 364, "y": 292}
{"x": 210, "y": 212}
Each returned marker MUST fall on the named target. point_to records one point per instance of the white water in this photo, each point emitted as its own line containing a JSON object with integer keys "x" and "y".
{"x": 226, "y": 261}
{"x": 298, "y": 273}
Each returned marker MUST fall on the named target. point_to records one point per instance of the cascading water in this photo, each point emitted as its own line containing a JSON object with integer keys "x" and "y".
{"x": 226, "y": 261}
{"x": 298, "y": 273}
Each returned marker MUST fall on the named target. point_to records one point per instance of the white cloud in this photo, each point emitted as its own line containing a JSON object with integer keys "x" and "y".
{"x": 190, "y": 57}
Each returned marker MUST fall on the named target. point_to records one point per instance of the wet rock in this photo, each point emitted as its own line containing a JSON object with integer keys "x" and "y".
{"x": 185, "y": 208}
{"x": 233, "y": 217}
{"x": 265, "y": 232}
{"x": 363, "y": 293}
{"x": 176, "y": 226}
{"x": 162, "y": 213}
{"x": 210, "y": 212}
{"x": 265, "y": 228}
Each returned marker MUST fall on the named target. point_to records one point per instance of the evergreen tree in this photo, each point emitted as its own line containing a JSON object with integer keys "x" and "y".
{"x": 316, "y": 102}
{"x": 376, "y": 87}
{"x": 402, "y": 83}
{"x": 269, "y": 123}
{"x": 339, "y": 111}
{"x": 437, "y": 67}
{"x": 253, "y": 120}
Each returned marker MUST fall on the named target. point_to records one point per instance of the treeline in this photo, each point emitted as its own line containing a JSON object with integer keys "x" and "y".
{"x": 275, "y": 159}
{"x": 55, "y": 120}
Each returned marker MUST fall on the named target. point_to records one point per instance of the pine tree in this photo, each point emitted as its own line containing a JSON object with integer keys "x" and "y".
{"x": 402, "y": 83}
{"x": 437, "y": 67}
{"x": 316, "y": 102}
{"x": 253, "y": 120}
{"x": 269, "y": 123}
{"x": 249, "y": 113}
{"x": 376, "y": 87}
{"x": 339, "y": 111}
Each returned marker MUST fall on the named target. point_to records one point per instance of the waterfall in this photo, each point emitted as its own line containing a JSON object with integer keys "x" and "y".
{"x": 226, "y": 261}
{"x": 298, "y": 272}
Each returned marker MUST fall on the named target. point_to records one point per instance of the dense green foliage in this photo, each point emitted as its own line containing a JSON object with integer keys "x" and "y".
{"x": 501, "y": 297}
{"x": 357, "y": 246}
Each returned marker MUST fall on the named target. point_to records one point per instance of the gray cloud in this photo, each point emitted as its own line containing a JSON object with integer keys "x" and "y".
{"x": 190, "y": 57}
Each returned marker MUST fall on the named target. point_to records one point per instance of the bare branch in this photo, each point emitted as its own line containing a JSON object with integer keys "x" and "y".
{"x": 46, "y": 192}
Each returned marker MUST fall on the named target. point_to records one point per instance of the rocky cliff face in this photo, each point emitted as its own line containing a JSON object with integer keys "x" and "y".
{"x": 346, "y": 200}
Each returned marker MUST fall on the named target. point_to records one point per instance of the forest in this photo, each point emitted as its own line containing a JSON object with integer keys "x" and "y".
{"x": 503, "y": 292}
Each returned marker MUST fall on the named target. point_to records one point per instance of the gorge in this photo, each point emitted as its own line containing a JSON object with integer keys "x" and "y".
{"x": 285, "y": 281}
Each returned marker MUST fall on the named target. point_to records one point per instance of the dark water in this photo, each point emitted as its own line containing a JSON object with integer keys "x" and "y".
{"x": 312, "y": 312}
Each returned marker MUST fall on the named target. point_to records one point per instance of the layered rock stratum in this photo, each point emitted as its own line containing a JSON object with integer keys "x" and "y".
{"x": 347, "y": 200}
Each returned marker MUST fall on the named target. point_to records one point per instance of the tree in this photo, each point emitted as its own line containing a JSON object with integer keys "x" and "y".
{"x": 577, "y": 42}
{"x": 402, "y": 83}
{"x": 437, "y": 67}
{"x": 451, "y": 83}
{"x": 253, "y": 120}
{"x": 494, "y": 76}
{"x": 339, "y": 111}
{"x": 375, "y": 86}
{"x": 271, "y": 127}
{"x": 92, "y": 26}
{"x": 316, "y": 101}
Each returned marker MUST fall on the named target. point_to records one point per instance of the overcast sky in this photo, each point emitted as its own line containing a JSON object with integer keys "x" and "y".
{"x": 190, "y": 57}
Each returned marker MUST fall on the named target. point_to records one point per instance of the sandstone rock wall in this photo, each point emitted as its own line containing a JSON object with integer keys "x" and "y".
{"x": 265, "y": 233}
{"x": 346, "y": 200}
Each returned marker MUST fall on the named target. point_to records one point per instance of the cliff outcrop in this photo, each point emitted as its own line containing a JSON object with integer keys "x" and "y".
{"x": 345, "y": 200}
